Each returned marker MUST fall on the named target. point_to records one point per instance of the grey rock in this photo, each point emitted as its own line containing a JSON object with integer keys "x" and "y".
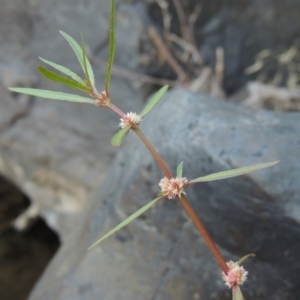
{"x": 161, "y": 255}
{"x": 56, "y": 152}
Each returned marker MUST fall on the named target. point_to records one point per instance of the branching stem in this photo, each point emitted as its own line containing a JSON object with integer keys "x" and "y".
{"x": 184, "y": 202}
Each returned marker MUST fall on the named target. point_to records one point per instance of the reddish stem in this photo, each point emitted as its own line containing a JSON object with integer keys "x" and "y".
{"x": 156, "y": 156}
{"x": 184, "y": 202}
{"x": 116, "y": 110}
{"x": 212, "y": 246}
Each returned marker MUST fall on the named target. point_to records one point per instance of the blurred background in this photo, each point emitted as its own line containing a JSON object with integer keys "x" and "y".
{"x": 53, "y": 156}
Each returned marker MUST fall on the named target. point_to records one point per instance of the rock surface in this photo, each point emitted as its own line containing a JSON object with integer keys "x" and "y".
{"x": 59, "y": 153}
{"x": 55, "y": 152}
{"x": 161, "y": 256}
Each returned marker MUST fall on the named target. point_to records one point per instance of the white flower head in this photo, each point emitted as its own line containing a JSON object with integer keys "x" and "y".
{"x": 173, "y": 187}
{"x": 236, "y": 275}
{"x": 130, "y": 119}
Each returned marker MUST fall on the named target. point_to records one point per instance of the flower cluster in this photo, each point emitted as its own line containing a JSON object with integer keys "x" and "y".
{"x": 236, "y": 275}
{"x": 102, "y": 99}
{"x": 173, "y": 187}
{"x": 129, "y": 120}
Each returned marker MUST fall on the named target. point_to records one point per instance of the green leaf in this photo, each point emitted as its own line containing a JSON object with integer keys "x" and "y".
{"x": 64, "y": 70}
{"x": 79, "y": 53}
{"x": 61, "y": 79}
{"x": 179, "y": 170}
{"x": 86, "y": 70}
{"x": 52, "y": 95}
{"x": 234, "y": 172}
{"x": 118, "y": 137}
{"x": 112, "y": 44}
{"x": 241, "y": 260}
{"x": 236, "y": 293}
{"x": 154, "y": 100}
{"x": 127, "y": 221}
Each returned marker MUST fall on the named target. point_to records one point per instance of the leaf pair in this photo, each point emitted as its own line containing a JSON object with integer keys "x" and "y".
{"x": 118, "y": 137}
{"x": 179, "y": 172}
{"x": 72, "y": 80}
{"x": 81, "y": 56}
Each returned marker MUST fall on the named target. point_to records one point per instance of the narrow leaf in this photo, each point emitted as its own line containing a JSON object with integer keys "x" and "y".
{"x": 64, "y": 70}
{"x": 237, "y": 293}
{"x": 126, "y": 221}
{"x": 154, "y": 100}
{"x": 78, "y": 51}
{"x": 179, "y": 170}
{"x": 241, "y": 260}
{"x": 61, "y": 79}
{"x": 52, "y": 95}
{"x": 86, "y": 70}
{"x": 112, "y": 44}
{"x": 118, "y": 137}
{"x": 234, "y": 172}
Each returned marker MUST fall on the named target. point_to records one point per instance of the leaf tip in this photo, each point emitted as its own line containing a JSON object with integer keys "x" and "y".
{"x": 115, "y": 144}
{"x": 91, "y": 247}
{"x": 15, "y": 89}
{"x": 179, "y": 169}
{"x": 117, "y": 139}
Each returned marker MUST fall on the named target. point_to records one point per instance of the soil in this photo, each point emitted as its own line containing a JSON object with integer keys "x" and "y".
{"x": 23, "y": 255}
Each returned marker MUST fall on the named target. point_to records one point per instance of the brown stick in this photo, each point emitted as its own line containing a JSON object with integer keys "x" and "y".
{"x": 220, "y": 66}
{"x": 164, "y": 6}
{"x": 191, "y": 21}
{"x": 217, "y": 80}
{"x": 185, "y": 32}
{"x": 281, "y": 98}
{"x": 123, "y": 72}
{"x": 166, "y": 54}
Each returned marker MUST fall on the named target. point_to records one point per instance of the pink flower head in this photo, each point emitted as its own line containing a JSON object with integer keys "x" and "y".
{"x": 236, "y": 275}
{"x": 173, "y": 187}
{"x": 129, "y": 120}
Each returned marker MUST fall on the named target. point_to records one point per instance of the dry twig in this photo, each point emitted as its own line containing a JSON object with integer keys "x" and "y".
{"x": 262, "y": 95}
{"x": 202, "y": 82}
{"x": 188, "y": 47}
{"x": 164, "y": 6}
{"x": 185, "y": 31}
{"x": 165, "y": 55}
{"x": 125, "y": 73}
{"x": 191, "y": 22}
{"x": 217, "y": 80}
